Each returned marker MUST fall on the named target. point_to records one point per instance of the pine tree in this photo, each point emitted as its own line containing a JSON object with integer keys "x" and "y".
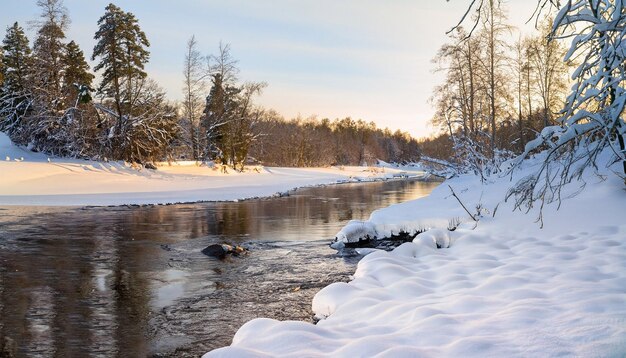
{"x": 141, "y": 126}
{"x": 76, "y": 75}
{"x": 122, "y": 51}
{"x": 122, "y": 54}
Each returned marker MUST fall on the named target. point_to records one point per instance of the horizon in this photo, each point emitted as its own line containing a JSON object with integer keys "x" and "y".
{"x": 376, "y": 66}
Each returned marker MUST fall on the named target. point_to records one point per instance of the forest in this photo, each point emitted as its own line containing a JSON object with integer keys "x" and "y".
{"x": 52, "y": 101}
{"x": 501, "y": 89}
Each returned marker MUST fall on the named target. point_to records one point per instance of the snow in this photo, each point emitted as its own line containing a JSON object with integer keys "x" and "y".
{"x": 28, "y": 178}
{"x": 504, "y": 287}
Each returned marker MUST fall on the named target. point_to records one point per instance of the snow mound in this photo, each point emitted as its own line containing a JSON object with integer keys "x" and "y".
{"x": 12, "y": 152}
{"x": 353, "y": 232}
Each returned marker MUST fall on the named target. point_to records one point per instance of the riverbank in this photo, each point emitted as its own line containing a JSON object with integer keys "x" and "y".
{"x": 502, "y": 286}
{"x": 29, "y": 178}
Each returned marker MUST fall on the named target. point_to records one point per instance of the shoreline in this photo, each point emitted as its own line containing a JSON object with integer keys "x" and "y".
{"x": 422, "y": 176}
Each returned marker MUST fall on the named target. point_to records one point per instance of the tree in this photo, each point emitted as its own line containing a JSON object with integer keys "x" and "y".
{"x": 2, "y": 70}
{"x": 122, "y": 54}
{"x": 546, "y": 58}
{"x": 48, "y": 51}
{"x": 121, "y": 49}
{"x": 76, "y": 76}
{"x": 225, "y": 65}
{"x": 53, "y": 11}
{"x": 230, "y": 114}
{"x": 242, "y": 123}
{"x": 154, "y": 125}
{"x": 214, "y": 119}
{"x": 16, "y": 62}
{"x": 193, "y": 89}
{"x": 520, "y": 65}
{"x": 592, "y": 118}
{"x": 495, "y": 62}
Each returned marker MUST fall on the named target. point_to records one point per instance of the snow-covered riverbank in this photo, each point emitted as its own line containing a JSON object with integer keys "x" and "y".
{"x": 504, "y": 287}
{"x": 28, "y": 178}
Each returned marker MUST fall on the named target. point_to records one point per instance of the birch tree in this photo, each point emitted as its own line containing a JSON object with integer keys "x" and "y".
{"x": 194, "y": 86}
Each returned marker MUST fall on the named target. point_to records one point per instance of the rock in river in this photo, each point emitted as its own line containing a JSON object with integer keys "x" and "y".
{"x": 221, "y": 250}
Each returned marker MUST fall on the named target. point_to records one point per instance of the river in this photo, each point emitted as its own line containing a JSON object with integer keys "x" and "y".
{"x": 132, "y": 281}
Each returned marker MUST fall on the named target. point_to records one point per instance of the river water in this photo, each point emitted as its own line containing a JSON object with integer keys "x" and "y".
{"x": 131, "y": 282}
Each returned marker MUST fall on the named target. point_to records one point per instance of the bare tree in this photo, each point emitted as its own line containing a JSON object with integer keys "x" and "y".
{"x": 495, "y": 62}
{"x": 592, "y": 118}
{"x": 550, "y": 71}
{"x": 194, "y": 87}
{"x": 224, "y": 64}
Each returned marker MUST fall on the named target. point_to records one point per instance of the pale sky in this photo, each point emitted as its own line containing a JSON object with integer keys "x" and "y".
{"x": 366, "y": 59}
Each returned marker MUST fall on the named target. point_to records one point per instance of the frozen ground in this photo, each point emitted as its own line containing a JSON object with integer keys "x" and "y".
{"x": 504, "y": 287}
{"x": 28, "y": 178}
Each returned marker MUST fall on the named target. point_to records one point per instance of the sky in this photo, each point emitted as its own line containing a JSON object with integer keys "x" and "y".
{"x": 366, "y": 59}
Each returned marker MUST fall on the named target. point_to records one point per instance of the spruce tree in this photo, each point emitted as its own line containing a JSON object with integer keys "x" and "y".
{"x": 16, "y": 60}
{"x": 16, "y": 63}
{"x": 76, "y": 76}
{"x": 214, "y": 119}
{"x": 47, "y": 54}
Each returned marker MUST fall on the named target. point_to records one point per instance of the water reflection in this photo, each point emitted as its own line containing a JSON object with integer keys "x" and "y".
{"x": 132, "y": 281}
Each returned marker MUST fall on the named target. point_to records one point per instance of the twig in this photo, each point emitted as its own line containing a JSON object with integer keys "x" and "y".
{"x": 459, "y": 200}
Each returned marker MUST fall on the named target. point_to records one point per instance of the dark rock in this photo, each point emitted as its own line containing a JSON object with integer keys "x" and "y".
{"x": 150, "y": 166}
{"x": 215, "y": 250}
{"x": 385, "y": 243}
{"x": 364, "y": 242}
{"x": 220, "y": 251}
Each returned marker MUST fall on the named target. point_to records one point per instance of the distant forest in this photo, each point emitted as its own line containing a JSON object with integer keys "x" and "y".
{"x": 49, "y": 101}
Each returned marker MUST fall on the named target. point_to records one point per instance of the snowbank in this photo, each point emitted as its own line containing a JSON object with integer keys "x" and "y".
{"x": 504, "y": 287}
{"x": 28, "y": 178}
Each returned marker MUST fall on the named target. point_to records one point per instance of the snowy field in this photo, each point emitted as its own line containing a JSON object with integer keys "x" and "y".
{"x": 503, "y": 287}
{"x": 28, "y": 178}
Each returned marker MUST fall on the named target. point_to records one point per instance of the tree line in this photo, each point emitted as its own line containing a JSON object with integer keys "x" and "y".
{"x": 314, "y": 142}
{"x": 50, "y": 103}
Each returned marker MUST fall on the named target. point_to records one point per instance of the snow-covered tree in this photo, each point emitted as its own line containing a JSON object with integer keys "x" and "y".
{"x": 1, "y": 69}
{"x": 16, "y": 60}
{"x": 16, "y": 64}
{"x": 593, "y": 117}
{"x": 230, "y": 112}
{"x": 48, "y": 50}
{"x": 140, "y": 124}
